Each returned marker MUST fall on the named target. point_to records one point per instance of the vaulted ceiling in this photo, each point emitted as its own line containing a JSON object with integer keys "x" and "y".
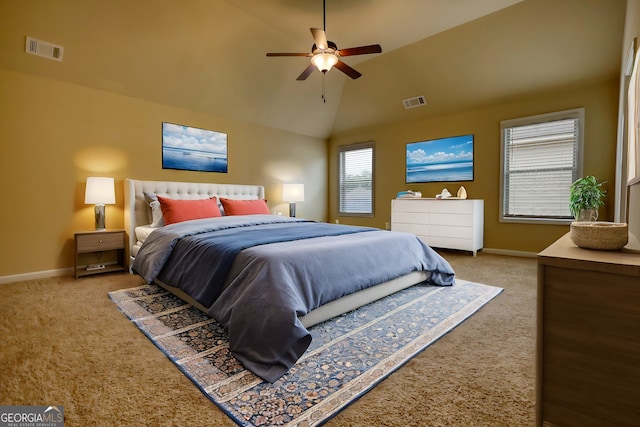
{"x": 209, "y": 55}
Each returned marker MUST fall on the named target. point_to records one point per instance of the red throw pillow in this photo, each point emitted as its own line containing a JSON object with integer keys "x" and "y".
{"x": 244, "y": 207}
{"x": 175, "y": 210}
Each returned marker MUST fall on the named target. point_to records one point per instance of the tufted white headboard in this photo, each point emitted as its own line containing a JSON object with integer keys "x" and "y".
{"x": 136, "y": 210}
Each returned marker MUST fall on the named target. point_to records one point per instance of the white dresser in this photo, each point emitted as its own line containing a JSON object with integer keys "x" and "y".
{"x": 448, "y": 223}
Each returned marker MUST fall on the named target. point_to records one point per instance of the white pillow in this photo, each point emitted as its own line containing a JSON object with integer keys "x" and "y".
{"x": 155, "y": 211}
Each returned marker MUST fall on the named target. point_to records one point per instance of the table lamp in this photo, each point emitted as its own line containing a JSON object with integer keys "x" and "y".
{"x": 293, "y": 193}
{"x": 100, "y": 191}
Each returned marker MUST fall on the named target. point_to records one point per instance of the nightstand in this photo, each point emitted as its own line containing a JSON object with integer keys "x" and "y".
{"x": 99, "y": 242}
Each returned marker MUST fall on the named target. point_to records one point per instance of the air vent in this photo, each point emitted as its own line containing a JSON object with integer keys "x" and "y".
{"x": 418, "y": 101}
{"x": 44, "y": 49}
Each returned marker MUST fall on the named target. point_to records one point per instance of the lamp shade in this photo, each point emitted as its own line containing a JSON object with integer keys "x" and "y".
{"x": 293, "y": 192}
{"x": 324, "y": 61}
{"x": 100, "y": 191}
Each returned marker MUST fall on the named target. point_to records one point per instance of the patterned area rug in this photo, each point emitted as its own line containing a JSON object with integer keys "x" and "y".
{"x": 348, "y": 356}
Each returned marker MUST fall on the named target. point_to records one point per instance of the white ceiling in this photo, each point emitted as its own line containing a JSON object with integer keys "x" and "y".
{"x": 209, "y": 55}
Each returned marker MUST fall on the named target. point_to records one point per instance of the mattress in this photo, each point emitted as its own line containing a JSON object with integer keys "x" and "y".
{"x": 141, "y": 233}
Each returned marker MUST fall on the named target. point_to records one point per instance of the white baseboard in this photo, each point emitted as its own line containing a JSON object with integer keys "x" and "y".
{"x": 510, "y": 252}
{"x": 36, "y": 275}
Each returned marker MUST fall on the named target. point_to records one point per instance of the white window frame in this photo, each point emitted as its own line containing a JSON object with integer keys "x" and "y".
{"x": 341, "y": 178}
{"x": 577, "y": 113}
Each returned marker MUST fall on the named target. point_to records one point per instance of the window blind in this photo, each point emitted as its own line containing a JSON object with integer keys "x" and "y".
{"x": 540, "y": 164}
{"x": 356, "y": 179}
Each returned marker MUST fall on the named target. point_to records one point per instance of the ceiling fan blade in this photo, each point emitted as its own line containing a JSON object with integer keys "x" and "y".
{"x": 320, "y": 38}
{"x": 347, "y": 70}
{"x": 307, "y": 71}
{"x": 362, "y": 50}
{"x": 288, "y": 54}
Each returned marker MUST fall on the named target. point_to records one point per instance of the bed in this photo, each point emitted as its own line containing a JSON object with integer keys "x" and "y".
{"x": 266, "y": 278}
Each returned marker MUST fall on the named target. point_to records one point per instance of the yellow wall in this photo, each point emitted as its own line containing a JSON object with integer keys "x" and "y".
{"x": 56, "y": 134}
{"x": 600, "y": 103}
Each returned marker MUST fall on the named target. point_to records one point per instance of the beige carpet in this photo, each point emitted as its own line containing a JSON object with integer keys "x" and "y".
{"x": 63, "y": 342}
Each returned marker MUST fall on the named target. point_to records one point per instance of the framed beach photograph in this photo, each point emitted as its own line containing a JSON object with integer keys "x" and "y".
{"x": 440, "y": 160}
{"x": 193, "y": 149}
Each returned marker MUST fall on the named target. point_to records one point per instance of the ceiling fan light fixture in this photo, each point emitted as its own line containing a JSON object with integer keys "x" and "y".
{"x": 324, "y": 61}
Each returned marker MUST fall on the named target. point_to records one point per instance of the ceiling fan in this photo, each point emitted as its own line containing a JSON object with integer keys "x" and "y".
{"x": 325, "y": 53}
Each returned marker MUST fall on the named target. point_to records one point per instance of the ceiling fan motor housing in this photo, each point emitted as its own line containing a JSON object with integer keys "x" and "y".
{"x": 331, "y": 48}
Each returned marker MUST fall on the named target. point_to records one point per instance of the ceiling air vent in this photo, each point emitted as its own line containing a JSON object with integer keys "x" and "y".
{"x": 418, "y": 101}
{"x": 44, "y": 49}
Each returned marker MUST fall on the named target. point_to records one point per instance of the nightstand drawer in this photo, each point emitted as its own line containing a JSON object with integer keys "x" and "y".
{"x": 99, "y": 241}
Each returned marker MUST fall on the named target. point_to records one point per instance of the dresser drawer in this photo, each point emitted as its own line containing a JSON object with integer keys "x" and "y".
{"x": 410, "y": 217}
{"x": 99, "y": 241}
{"x": 411, "y": 205}
{"x": 465, "y": 233}
{"x": 420, "y": 229}
{"x": 453, "y": 206}
{"x": 447, "y": 242}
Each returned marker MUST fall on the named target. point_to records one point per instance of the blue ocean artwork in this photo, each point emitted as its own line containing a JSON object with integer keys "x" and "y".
{"x": 194, "y": 149}
{"x": 446, "y": 159}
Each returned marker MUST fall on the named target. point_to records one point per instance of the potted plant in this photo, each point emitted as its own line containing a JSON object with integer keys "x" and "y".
{"x": 585, "y": 197}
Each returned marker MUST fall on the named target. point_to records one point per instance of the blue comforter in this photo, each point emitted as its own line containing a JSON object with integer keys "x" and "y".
{"x": 258, "y": 274}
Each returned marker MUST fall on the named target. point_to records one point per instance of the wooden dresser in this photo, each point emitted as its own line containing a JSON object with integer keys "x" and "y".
{"x": 588, "y": 336}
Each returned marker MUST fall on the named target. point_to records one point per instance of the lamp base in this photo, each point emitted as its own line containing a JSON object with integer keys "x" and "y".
{"x": 100, "y": 217}
{"x": 292, "y": 209}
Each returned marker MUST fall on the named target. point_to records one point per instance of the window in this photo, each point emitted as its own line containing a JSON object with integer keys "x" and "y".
{"x": 541, "y": 158}
{"x": 356, "y": 179}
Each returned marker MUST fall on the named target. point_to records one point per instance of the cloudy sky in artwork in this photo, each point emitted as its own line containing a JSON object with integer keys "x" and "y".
{"x": 193, "y": 139}
{"x": 445, "y": 150}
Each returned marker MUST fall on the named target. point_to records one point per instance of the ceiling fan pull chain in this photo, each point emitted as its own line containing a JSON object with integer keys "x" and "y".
{"x": 323, "y": 97}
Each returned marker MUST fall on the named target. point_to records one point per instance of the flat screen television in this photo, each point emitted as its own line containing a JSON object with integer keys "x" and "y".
{"x": 440, "y": 160}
